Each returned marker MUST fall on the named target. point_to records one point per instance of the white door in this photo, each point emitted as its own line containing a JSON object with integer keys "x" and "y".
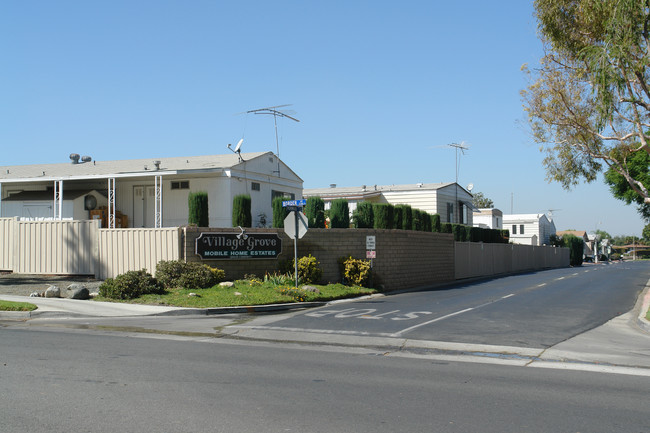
{"x": 144, "y": 200}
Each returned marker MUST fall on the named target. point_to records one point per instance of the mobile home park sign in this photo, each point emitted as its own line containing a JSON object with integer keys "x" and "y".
{"x": 234, "y": 245}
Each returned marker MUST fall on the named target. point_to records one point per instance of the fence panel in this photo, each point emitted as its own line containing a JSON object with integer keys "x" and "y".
{"x": 55, "y": 247}
{"x": 7, "y": 244}
{"x": 122, "y": 250}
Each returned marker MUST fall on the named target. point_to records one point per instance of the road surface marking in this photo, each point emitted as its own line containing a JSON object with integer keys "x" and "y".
{"x": 397, "y": 334}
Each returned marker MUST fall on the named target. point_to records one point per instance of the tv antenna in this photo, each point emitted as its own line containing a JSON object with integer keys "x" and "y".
{"x": 462, "y": 147}
{"x": 237, "y": 149}
{"x": 273, "y": 111}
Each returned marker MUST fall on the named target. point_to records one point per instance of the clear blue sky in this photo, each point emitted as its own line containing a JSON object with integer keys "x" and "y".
{"x": 379, "y": 88}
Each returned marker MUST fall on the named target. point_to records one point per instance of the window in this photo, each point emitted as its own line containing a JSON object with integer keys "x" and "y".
{"x": 255, "y": 186}
{"x": 287, "y": 195}
{"x": 514, "y": 229}
{"x": 521, "y": 229}
{"x": 450, "y": 212}
{"x": 181, "y": 184}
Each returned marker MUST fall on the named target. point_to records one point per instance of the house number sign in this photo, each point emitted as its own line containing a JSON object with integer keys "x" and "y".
{"x": 234, "y": 245}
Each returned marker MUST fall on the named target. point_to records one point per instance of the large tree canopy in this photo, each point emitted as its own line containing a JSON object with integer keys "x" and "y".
{"x": 589, "y": 102}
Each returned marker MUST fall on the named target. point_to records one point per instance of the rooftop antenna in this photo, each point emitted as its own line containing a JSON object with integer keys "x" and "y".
{"x": 237, "y": 149}
{"x": 550, "y": 212}
{"x": 462, "y": 147}
{"x": 275, "y": 113}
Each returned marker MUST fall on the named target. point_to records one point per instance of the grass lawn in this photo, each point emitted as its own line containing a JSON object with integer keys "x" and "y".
{"x": 16, "y": 306}
{"x": 245, "y": 293}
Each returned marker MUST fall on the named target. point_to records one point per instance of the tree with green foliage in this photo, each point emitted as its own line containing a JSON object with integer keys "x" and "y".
{"x": 363, "y": 216}
{"x": 646, "y": 233}
{"x": 589, "y": 101}
{"x": 315, "y": 212}
{"x": 480, "y": 201}
{"x": 638, "y": 164}
{"x": 339, "y": 214}
{"x": 576, "y": 248}
{"x": 279, "y": 212}
{"x": 198, "y": 214}
{"x": 241, "y": 211}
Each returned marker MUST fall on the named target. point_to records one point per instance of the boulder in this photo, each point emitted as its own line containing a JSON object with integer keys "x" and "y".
{"x": 79, "y": 293}
{"x": 310, "y": 289}
{"x": 226, "y": 284}
{"x": 53, "y": 292}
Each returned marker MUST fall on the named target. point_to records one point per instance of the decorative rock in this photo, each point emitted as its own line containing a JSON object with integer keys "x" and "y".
{"x": 93, "y": 294}
{"x": 310, "y": 289}
{"x": 80, "y": 293}
{"x": 226, "y": 284}
{"x": 237, "y": 294}
{"x": 35, "y": 295}
{"x": 193, "y": 294}
{"x": 53, "y": 292}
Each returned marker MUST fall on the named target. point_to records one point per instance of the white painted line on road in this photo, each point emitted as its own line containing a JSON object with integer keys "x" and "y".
{"x": 508, "y": 296}
{"x": 397, "y": 334}
{"x": 541, "y": 285}
{"x": 560, "y": 278}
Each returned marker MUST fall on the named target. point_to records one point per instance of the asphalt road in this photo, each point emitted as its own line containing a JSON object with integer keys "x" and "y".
{"x": 536, "y": 310}
{"x": 54, "y": 381}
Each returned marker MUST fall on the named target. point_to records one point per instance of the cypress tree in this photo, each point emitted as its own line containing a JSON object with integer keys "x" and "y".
{"x": 340, "y": 214}
{"x": 241, "y": 211}
{"x": 197, "y": 203}
{"x": 315, "y": 212}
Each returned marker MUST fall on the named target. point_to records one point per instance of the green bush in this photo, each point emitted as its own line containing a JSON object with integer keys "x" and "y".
{"x": 383, "y": 215}
{"x": 356, "y": 272}
{"x": 315, "y": 212}
{"x": 177, "y": 273}
{"x": 339, "y": 214}
{"x": 197, "y": 203}
{"x": 241, "y": 211}
{"x": 363, "y": 216}
{"x": 309, "y": 271}
{"x": 576, "y": 248}
{"x": 398, "y": 216}
{"x": 200, "y": 276}
{"x": 435, "y": 223}
{"x": 416, "y": 221}
{"x": 130, "y": 285}
{"x": 279, "y": 212}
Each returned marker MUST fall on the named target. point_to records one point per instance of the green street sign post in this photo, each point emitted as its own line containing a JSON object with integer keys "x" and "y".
{"x": 295, "y": 226}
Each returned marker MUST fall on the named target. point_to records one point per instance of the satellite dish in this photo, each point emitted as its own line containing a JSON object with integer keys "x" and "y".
{"x": 238, "y": 147}
{"x": 470, "y": 187}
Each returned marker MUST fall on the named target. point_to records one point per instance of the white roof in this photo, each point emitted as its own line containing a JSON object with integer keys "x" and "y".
{"x": 369, "y": 191}
{"x": 129, "y": 167}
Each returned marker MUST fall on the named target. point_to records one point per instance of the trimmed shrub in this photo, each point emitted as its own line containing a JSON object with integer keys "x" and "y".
{"x": 416, "y": 221}
{"x": 197, "y": 203}
{"x": 241, "y": 211}
{"x": 130, "y": 285}
{"x": 407, "y": 218}
{"x": 445, "y": 228}
{"x": 315, "y": 212}
{"x": 383, "y": 215}
{"x": 362, "y": 216}
{"x": 309, "y": 270}
{"x": 398, "y": 216}
{"x": 356, "y": 272}
{"x": 340, "y": 214}
{"x": 200, "y": 276}
{"x": 176, "y": 273}
{"x": 435, "y": 223}
{"x": 279, "y": 213}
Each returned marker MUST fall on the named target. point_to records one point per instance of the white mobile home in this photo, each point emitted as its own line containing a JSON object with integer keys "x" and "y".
{"x": 151, "y": 192}
{"x": 451, "y": 201}
{"x": 529, "y": 229}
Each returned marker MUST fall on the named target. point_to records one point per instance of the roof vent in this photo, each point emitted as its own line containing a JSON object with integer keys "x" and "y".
{"x": 420, "y": 185}
{"x": 74, "y": 158}
{"x": 86, "y": 158}
{"x": 363, "y": 188}
{"x": 332, "y": 185}
{"x": 157, "y": 164}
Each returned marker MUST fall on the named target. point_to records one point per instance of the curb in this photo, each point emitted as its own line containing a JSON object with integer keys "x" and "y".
{"x": 644, "y": 304}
